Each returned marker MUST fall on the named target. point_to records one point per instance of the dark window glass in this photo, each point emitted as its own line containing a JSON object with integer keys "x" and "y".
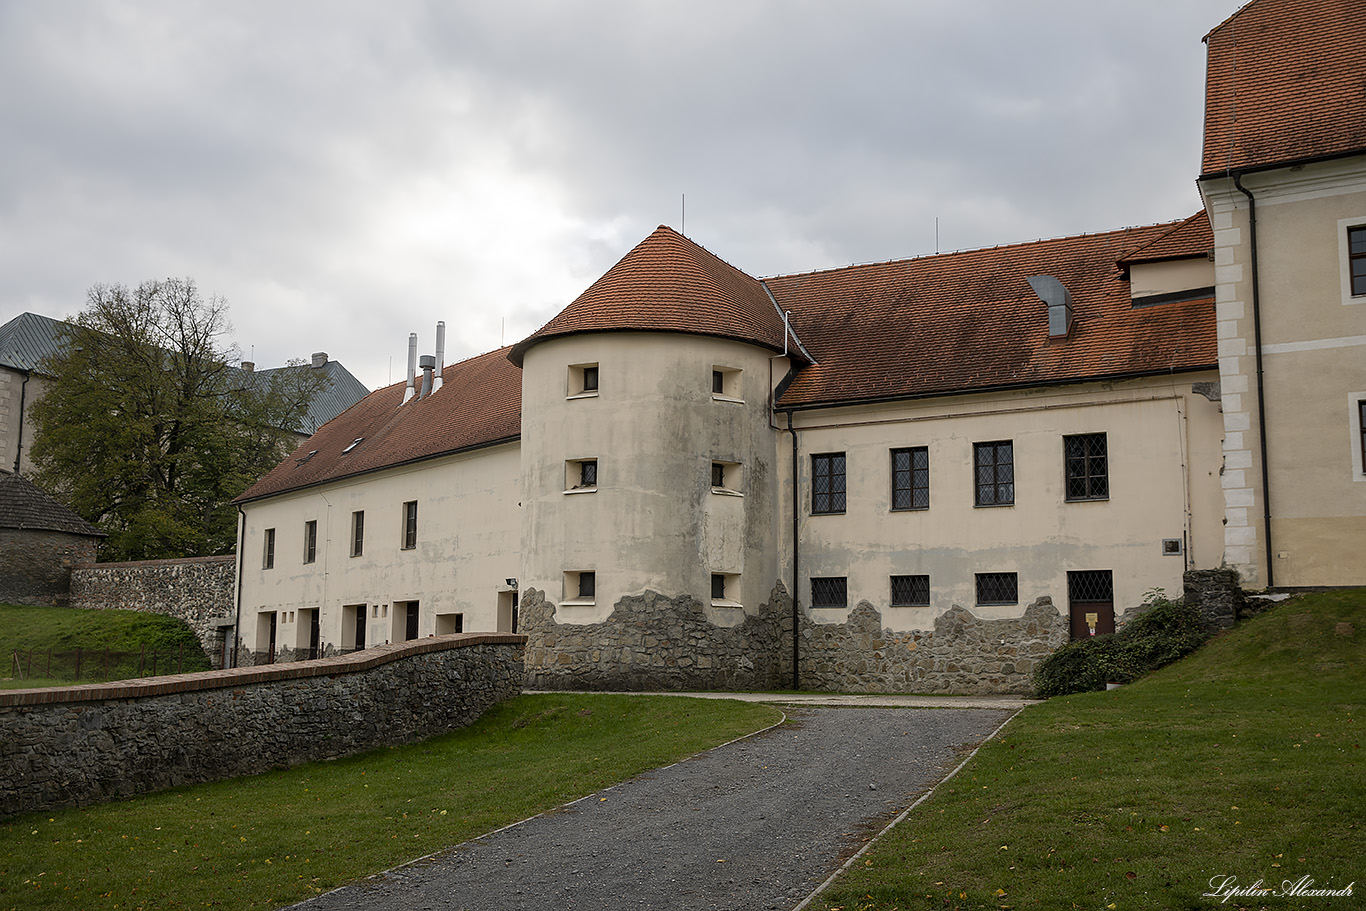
{"x": 718, "y": 586}
{"x": 718, "y": 382}
{"x": 410, "y": 525}
{"x": 587, "y": 585}
{"x": 831, "y": 591}
{"x": 268, "y": 557}
{"x": 459, "y": 623}
{"x": 1091, "y": 586}
{"x": 910, "y": 590}
{"x": 1361, "y": 418}
{"x": 827, "y": 483}
{"x": 310, "y": 541}
{"x": 588, "y": 473}
{"x": 1087, "y": 467}
{"x": 997, "y": 588}
{"x": 1356, "y": 239}
{"x": 357, "y": 533}
{"x": 995, "y": 467}
{"x": 718, "y": 474}
{"x": 590, "y": 379}
{"x": 911, "y": 478}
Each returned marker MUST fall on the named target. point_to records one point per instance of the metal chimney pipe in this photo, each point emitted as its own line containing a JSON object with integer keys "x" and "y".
{"x": 426, "y": 361}
{"x": 409, "y": 392}
{"x": 440, "y": 352}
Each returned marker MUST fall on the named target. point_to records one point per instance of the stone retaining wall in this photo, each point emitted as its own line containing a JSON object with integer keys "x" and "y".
{"x": 1216, "y": 594}
{"x": 198, "y": 590}
{"x": 79, "y": 745}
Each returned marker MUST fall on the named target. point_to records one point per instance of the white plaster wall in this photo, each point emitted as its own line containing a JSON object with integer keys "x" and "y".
{"x": 1314, "y": 361}
{"x": 1163, "y": 445}
{"x": 653, "y": 521}
{"x": 467, "y": 547}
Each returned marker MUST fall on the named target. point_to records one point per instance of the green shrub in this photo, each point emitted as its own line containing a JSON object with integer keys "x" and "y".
{"x": 1163, "y": 632}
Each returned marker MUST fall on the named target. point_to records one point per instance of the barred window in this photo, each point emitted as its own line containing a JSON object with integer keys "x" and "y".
{"x": 827, "y": 483}
{"x": 1094, "y": 586}
{"x": 997, "y": 588}
{"x": 588, "y": 473}
{"x": 911, "y": 478}
{"x": 910, "y": 591}
{"x": 1088, "y": 467}
{"x": 830, "y": 591}
{"x": 995, "y": 466}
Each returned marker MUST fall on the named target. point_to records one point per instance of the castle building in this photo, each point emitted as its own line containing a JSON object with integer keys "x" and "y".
{"x": 923, "y": 474}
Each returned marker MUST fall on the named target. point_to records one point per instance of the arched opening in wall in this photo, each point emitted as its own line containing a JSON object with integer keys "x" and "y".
{"x": 1091, "y": 598}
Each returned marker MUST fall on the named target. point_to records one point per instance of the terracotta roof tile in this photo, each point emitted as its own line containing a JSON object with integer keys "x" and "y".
{"x": 479, "y": 404}
{"x": 969, "y": 321}
{"x": 1285, "y": 81}
{"x": 1191, "y": 237}
{"x": 669, "y": 284}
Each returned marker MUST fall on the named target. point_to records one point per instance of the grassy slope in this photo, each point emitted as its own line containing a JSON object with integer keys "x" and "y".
{"x": 63, "y": 629}
{"x": 1243, "y": 760}
{"x": 281, "y": 837}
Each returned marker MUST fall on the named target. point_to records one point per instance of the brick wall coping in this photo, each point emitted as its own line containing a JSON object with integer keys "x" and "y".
{"x": 178, "y": 561}
{"x": 241, "y": 676}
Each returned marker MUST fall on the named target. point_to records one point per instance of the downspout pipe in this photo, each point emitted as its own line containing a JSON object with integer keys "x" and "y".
{"x": 19, "y": 442}
{"x": 796, "y": 559}
{"x": 1261, "y": 386}
{"x": 241, "y": 565}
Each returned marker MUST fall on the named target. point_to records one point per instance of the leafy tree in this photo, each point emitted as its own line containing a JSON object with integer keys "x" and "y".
{"x": 149, "y": 432}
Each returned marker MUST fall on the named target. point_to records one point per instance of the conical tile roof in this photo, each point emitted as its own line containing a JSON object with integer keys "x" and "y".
{"x": 669, "y": 284}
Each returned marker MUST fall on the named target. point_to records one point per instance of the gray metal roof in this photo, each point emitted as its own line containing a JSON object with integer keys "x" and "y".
{"x": 29, "y": 338}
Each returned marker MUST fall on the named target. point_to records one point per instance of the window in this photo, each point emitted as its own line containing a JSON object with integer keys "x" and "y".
{"x": 588, "y": 585}
{"x": 1091, "y": 586}
{"x": 1356, "y": 258}
{"x": 310, "y": 540}
{"x": 410, "y": 525}
{"x": 827, "y": 483}
{"x": 910, "y": 591}
{"x": 725, "y": 383}
{"x": 581, "y": 474}
{"x": 997, "y": 588}
{"x": 718, "y": 586}
{"x": 725, "y": 477}
{"x": 995, "y": 465}
{"x": 1361, "y": 425}
{"x": 830, "y": 591}
{"x": 718, "y": 382}
{"x": 583, "y": 379}
{"x": 718, "y": 474}
{"x": 268, "y": 555}
{"x": 1087, "y": 467}
{"x": 911, "y": 478}
{"x": 357, "y": 533}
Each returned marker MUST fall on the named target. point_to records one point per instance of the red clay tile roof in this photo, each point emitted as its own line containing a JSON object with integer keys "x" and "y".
{"x": 669, "y": 284}
{"x": 479, "y": 404}
{"x": 1285, "y": 81}
{"x": 1191, "y": 237}
{"x": 969, "y": 321}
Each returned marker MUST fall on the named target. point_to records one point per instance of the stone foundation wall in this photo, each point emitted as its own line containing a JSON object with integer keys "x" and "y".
{"x": 198, "y": 590}
{"x": 652, "y": 642}
{"x": 1216, "y": 594}
{"x": 35, "y": 566}
{"x": 963, "y": 654}
{"x": 83, "y": 744}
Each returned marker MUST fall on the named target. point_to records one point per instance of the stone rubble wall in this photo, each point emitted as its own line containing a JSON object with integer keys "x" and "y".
{"x": 35, "y": 565}
{"x": 1216, "y": 594}
{"x": 78, "y": 745}
{"x": 198, "y": 590}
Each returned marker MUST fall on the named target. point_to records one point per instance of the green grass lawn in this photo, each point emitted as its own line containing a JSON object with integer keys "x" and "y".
{"x": 1243, "y": 760}
{"x": 281, "y": 837}
{"x": 34, "y": 632}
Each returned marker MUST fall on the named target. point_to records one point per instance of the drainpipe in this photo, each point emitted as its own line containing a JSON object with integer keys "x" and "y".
{"x": 796, "y": 554}
{"x": 241, "y": 558}
{"x": 1261, "y": 395}
{"x": 19, "y": 442}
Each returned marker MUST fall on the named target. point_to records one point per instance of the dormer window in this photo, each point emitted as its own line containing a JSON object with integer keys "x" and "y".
{"x": 301, "y": 461}
{"x": 354, "y": 443}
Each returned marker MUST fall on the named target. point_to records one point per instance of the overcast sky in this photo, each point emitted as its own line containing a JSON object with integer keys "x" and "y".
{"x": 345, "y": 172}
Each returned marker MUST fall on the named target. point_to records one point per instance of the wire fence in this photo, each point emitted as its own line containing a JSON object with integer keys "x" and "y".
{"x": 95, "y": 665}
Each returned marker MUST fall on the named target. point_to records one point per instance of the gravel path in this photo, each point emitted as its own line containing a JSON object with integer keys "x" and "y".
{"x": 755, "y": 824}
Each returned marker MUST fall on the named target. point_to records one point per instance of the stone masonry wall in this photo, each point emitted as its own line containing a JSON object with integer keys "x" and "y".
{"x": 1216, "y": 594}
{"x": 198, "y": 590}
{"x": 35, "y": 566}
{"x": 652, "y": 642}
{"x": 963, "y": 654}
{"x": 83, "y": 744}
